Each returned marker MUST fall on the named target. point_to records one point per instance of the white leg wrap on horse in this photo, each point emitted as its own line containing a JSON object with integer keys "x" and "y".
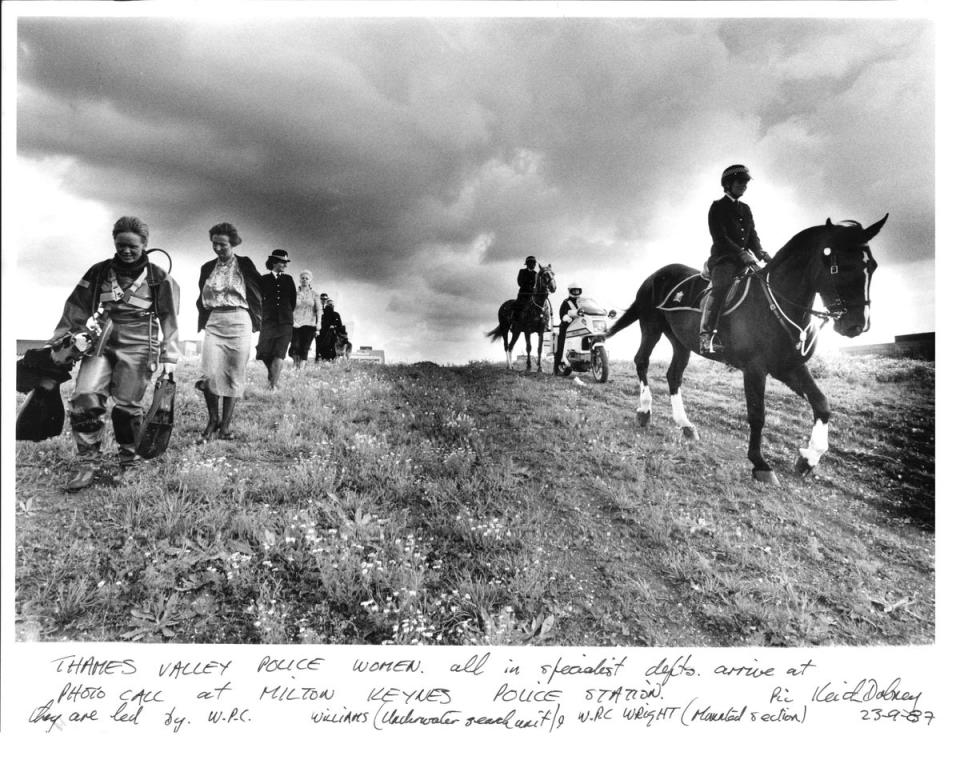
{"x": 818, "y": 444}
{"x": 646, "y": 400}
{"x": 509, "y": 360}
{"x": 679, "y": 414}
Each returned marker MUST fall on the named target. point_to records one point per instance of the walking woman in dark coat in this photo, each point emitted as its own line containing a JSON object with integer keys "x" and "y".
{"x": 331, "y": 327}
{"x": 279, "y": 299}
{"x": 229, "y": 307}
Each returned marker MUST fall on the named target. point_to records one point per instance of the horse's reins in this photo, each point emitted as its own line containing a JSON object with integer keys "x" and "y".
{"x": 803, "y": 333}
{"x": 546, "y": 295}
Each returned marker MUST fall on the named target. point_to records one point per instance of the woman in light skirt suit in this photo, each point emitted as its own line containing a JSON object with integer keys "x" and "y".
{"x": 230, "y": 312}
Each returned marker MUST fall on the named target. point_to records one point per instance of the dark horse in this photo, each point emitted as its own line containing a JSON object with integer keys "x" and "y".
{"x": 771, "y": 329}
{"x": 534, "y": 317}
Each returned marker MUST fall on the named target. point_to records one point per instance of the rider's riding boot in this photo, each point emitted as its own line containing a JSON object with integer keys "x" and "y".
{"x": 708, "y": 325}
{"x": 213, "y": 416}
{"x": 229, "y": 404}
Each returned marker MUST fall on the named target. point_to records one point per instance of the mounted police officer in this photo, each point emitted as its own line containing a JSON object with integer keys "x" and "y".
{"x": 527, "y": 282}
{"x": 735, "y": 247}
{"x": 569, "y": 310}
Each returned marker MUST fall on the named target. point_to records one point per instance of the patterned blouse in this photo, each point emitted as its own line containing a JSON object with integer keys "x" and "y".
{"x": 224, "y": 287}
{"x": 308, "y": 308}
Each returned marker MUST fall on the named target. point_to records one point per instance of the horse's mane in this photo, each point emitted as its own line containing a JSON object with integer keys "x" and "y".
{"x": 804, "y": 240}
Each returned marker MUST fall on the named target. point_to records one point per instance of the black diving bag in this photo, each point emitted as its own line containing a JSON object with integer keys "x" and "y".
{"x": 158, "y": 424}
{"x": 42, "y": 414}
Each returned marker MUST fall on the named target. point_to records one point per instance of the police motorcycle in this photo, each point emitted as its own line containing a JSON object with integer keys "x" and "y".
{"x": 583, "y": 348}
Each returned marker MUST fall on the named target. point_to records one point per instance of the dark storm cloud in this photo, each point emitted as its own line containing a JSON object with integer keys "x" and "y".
{"x": 378, "y": 150}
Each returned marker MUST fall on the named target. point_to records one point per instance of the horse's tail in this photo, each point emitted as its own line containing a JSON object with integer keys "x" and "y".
{"x": 502, "y": 330}
{"x": 498, "y": 333}
{"x": 633, "y": 312}
{"x": 650, "y": 295}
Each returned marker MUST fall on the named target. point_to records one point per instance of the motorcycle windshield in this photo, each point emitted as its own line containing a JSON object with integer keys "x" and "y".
{"x": 589, "y": 306}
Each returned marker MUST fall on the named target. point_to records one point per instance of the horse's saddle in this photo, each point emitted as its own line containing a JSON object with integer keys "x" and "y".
{"x": 688, "y": 294}
{"x": 527, "y": 310}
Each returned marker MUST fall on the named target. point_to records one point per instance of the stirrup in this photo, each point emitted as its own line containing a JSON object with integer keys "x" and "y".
{"x": 709, "y": 343}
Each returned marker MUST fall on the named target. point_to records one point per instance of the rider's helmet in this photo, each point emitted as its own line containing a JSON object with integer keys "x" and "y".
{"x": 731, "y": 173}
{"x": 574, "y": 289}
{"x": 530, "y": 260}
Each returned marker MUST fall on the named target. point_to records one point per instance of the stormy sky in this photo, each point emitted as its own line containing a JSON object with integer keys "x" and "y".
{"x": 412, "y": 163}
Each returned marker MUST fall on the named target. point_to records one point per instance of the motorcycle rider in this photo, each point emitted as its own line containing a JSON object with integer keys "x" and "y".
{"x": 569, "y": 310}
{"x": 735, "y": 247}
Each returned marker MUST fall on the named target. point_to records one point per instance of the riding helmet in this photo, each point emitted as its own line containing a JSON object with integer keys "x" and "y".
{"x": 574, "y": 287}
{"x": 737, "y": 171}
{"x": 530, "y": 260}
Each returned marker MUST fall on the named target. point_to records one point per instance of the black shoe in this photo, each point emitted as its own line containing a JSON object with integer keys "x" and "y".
{"x": 210, "y": 433}
{"x": 82, "y": 478}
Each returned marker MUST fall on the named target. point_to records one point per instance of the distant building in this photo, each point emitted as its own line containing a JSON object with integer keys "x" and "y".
{"x": 910, "y": 346}
{"x": 368, "y": 355}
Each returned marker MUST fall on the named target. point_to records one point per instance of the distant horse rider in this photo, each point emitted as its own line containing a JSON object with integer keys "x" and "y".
{"x": 735, "y": 248}
{"x": 569, "y": 310}
{"x": 527, "y": 282}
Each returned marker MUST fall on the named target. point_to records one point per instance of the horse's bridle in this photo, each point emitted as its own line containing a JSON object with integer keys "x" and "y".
{"x": 836, "y": 306}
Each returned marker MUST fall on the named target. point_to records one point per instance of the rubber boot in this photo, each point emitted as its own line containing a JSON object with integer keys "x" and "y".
{"x": 229, "y": 404}
{"x": 213, "y": 416}
{"x": 126, "y": 432}
{"x": 88, "y": 456}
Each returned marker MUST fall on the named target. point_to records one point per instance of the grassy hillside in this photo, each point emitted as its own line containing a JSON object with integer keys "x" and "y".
{"x": 425, "y": 504}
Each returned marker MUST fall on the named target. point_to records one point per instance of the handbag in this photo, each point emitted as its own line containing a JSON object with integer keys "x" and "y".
{"x": 158, "y": 424}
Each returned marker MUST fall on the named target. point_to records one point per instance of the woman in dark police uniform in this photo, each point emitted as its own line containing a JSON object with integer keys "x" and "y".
{"x": 279, "y": 299}
{"x": 735, "y": 247}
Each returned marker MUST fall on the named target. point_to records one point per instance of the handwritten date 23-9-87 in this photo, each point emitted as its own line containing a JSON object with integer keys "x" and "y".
{"x": 908, "y": 716}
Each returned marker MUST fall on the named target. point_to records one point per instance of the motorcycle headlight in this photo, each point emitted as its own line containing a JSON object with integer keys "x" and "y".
{"x": 599, "y": 325}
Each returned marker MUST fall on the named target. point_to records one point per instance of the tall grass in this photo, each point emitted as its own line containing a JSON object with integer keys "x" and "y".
{"x": 451, "y": 505}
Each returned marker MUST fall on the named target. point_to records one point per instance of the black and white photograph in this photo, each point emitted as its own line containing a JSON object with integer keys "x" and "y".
{"x": 537, "y": 325}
